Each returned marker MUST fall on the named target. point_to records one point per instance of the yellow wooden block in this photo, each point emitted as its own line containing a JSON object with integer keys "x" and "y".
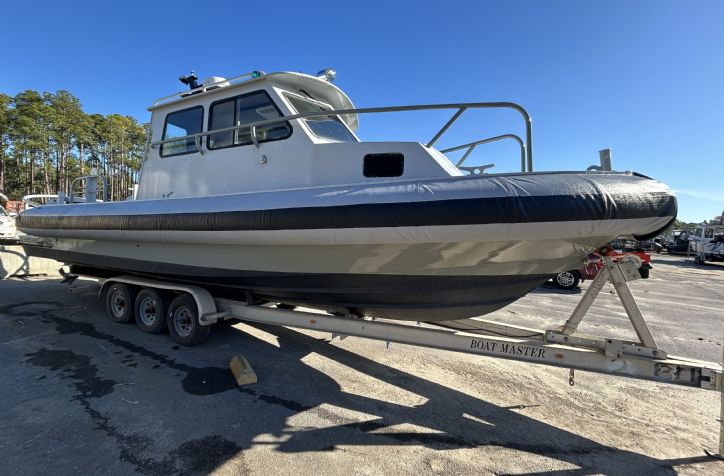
{"x": 242, "y": 371}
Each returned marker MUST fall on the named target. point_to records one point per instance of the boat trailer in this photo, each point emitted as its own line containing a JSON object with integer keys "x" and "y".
{"x": 561, "y": 347}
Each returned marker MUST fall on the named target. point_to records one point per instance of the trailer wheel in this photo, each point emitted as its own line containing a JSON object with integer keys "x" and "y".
{"x": 150, "y": 311}
{"x": 183, "y": 321}
{"x": 119, "y": 302}
{"x": 567, "y": 280}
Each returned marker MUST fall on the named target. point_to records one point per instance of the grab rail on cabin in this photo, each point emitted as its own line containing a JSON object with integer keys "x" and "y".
{"x": 207, "y": 87}
{"x": 526, "y": 148}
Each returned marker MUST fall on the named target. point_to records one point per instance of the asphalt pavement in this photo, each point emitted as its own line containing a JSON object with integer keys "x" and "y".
{"x": 83, "y": 395}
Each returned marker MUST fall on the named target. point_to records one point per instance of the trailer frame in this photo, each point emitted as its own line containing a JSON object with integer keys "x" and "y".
{"x": 561, "y": 347}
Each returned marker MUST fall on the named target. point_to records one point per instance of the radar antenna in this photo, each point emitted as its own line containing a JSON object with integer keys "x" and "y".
{"x": 190, "y": 80}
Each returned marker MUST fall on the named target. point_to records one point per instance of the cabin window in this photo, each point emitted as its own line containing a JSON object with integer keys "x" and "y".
{"x": 709, "y": 233}
{"x": 329, "y": 128}
{"x": 222, "y": 115}
{"x": 384, "y": 165}
{"x": 180, "y": 124}
{"x": 697, "y": 232}
{"x": 245, "y": 109}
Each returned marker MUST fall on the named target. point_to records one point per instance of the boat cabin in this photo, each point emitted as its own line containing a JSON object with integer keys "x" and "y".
{"x": 259, "y": 132}
{"x": 707, "y": 240}
{"x": 187, "y": 158}
{"x": 708, "y": 230}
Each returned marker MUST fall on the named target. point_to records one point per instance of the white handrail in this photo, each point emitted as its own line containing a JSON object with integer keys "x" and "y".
{"x": 472, "y": 145}
{"x": 462, "y": 107}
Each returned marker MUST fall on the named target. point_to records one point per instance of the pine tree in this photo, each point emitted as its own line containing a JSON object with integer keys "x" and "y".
{"x": 47, "y": 140}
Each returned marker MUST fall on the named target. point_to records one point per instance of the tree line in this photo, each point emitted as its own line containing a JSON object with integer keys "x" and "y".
{"x": 47, "y": 140}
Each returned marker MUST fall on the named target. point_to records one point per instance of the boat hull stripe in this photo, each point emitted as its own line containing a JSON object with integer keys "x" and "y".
{"x": 488, "y": 210}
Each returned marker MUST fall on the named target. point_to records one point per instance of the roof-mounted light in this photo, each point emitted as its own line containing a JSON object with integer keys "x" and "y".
{"x": 327, "y": 74}
{"x": 256, "y": 74}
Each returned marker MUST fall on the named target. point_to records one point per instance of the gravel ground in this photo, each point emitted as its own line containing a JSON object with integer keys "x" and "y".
{"x": 82, "y": 395}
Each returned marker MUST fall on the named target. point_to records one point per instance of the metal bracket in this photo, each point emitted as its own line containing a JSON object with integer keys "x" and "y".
{"x": 446, "y": 126}
{"x": 613, "y": 348}
{"x": 254, "y": 138}
{"x": 213, "y": 317}
{"x": 477, "y": 169}
{"x": 197, "y": 141}
{"x": 618, "y": 274}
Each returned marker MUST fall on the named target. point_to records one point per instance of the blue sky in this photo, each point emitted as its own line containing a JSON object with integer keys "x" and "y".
{"x": 644, "y": 78}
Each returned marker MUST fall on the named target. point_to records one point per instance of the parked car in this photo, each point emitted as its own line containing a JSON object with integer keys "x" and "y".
{"x": 571, "y": 279}
{"x": 650, "y": 245}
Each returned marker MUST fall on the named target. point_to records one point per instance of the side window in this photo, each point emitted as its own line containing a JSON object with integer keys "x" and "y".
{"x": 245, "y": 109}
{"x": 221, "y": 115}
{"x": 180, "y": 124}
{"x": 383, "y": 165}
{"x": 324, "y": 127}
{"x": 709, "y": 233}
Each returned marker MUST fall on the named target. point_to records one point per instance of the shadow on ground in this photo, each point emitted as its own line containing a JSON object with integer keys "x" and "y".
{"x": 288, "y": 388}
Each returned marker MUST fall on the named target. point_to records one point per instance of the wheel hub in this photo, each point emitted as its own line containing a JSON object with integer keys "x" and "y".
{"x": 149, "y": 312}
{"x": 565, "y": 279}
{"x": 183, "y": 321}
{"x": 118, "y": 303}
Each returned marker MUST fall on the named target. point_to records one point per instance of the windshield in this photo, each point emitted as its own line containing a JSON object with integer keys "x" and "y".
{"x": 3, "y": 213}
{"x": 330, "y": 128}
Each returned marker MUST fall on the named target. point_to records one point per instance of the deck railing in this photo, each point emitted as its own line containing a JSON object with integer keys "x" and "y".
{"x": 526, "y": 146}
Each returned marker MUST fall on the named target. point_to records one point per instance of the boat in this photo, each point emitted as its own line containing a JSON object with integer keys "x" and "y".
{"x": 8, "y": 233}
{"x": 258, "y": 187}
{"x": 706, "y": 240}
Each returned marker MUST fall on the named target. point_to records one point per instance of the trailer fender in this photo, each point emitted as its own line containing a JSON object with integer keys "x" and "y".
{"x": 208, "y": 313}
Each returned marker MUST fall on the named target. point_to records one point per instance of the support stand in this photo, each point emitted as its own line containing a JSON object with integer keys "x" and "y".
{"x": 618, "y": 274}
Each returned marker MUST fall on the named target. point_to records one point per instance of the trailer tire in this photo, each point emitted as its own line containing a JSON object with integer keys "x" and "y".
{"x": 119, "y": 300}
{"x": 150, "y": 311}
{"x": 183, "y": 321}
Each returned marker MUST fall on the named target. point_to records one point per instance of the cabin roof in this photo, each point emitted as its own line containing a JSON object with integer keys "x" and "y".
{"x": 321, "y": 89}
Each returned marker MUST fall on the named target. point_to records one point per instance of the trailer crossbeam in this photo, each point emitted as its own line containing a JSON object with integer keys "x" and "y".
{"x": 674, "y": 370}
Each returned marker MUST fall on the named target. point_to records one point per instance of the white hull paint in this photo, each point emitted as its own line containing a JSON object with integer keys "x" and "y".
{"x": 441, "y": 259}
